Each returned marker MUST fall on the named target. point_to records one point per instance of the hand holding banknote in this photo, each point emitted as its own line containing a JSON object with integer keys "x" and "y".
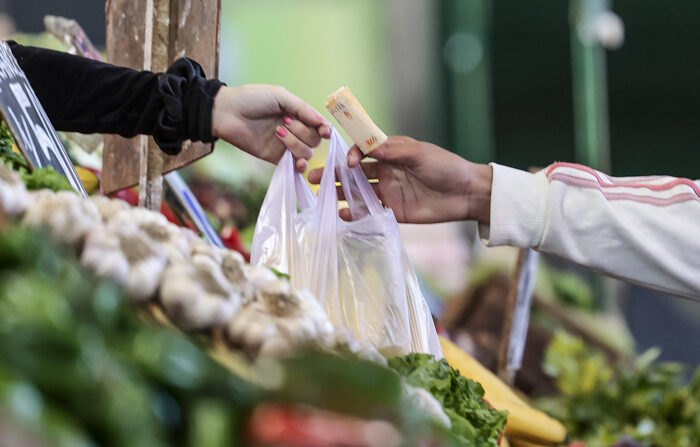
{"x": 422, "y": 182}
{"x": 264, "y": 120}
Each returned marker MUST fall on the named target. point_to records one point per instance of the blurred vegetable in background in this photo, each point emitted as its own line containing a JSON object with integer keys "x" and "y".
{"x": 78, "y": 367}
{"x": 601, "y": 404}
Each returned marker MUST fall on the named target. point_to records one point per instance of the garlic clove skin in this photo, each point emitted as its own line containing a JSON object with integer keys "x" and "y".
{"x": 175, "y": 243}
{"x": 13, "y": 194}
{"x": 66, "y": 216}
{"x": 234, "y": 268}
{"x": 197, "y": 295}
{"x": 144, "y": 277}
{"x": 260, "y": 276}
{"x": 123, "y": 252}
{"x": 102, "y": 255}
{"x": 258, "y": 331}
{"x": 108, "y": 208}
{"x": 277, "y": 346}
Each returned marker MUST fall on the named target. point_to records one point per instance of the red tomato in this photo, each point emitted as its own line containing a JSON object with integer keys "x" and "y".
{"x": 168, "y": 213}
{"x": 231, "y": 238}
{"x": 129, "y": 195}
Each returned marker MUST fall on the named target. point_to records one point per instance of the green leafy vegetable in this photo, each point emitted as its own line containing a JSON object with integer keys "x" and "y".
{"x": 45, "y": 178}
{"x": 601, "y": 403}
{"x": 80, "y": 368}
{"x": 473, "y": 422}
{"x": 12, "y": 159}
{"x": 39, "y": 178}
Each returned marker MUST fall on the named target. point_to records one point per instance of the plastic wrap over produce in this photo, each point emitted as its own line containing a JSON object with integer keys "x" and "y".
{"x": 358, "y": 269}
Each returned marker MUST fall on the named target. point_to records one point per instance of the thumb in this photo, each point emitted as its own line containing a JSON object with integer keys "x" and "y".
{"x": 397, "y": 149}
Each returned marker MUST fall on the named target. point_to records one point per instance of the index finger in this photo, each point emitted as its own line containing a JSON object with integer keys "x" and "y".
{"x": 300, "y": 109}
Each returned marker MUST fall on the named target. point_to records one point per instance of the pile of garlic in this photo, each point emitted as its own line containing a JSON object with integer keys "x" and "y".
{"x": 200, "y": 287}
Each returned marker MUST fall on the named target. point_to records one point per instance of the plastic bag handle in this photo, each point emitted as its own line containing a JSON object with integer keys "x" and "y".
{"x": 305, "y": 196}
{"x": 353, "y": 181}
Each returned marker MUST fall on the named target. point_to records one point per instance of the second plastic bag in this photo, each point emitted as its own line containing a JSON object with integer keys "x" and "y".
{"x": 358, "y": 269}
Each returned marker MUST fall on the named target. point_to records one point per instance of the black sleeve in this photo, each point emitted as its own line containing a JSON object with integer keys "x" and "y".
{"x": 82, "y": 95}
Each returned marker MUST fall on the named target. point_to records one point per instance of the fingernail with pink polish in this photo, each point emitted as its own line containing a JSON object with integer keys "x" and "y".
{"x": 281, "y": 131}
{"x": 287, "y": 120}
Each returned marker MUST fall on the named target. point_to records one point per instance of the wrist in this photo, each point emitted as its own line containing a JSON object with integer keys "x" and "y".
{"x": 216, "y": 113}
{"x": 220, "y": 119}
{"x": 477, "y": 191}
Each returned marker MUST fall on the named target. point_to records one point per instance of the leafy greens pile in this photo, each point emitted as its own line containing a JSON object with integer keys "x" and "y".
{"x": 599, "y": 403}
{"x": 39, "y": 178}
{"x": 473, "y": 422}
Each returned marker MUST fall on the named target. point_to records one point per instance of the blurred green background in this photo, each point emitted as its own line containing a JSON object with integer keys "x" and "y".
{"x": 490, "y": 80}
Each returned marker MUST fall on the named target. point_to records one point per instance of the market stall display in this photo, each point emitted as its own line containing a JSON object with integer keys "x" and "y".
{"x": 122, "y": 326}
{"x": 138, "y": 252}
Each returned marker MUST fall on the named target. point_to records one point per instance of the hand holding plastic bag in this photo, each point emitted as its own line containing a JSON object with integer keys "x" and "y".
{"x": 358, "y": 269}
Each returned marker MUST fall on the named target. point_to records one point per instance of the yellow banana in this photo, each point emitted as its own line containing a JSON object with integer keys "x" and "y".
{"x": 520, "y": 443}
{"x": 89, "y": 179}
{"x": 524, "y": 422}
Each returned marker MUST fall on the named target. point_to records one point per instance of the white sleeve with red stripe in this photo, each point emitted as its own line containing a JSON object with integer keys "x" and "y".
{"x": 642, "y": 229}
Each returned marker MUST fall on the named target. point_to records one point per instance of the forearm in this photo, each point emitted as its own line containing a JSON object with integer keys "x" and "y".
{"x": 88, "y": 96}
{"x": 83, "y": 95}
{"x": 638, "y": 229}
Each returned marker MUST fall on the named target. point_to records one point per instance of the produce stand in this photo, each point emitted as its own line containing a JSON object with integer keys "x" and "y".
{"x": 205, "y": 299}
{"x": 119, "y": 327}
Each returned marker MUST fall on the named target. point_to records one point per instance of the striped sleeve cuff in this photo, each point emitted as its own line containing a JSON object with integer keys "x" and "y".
{"x": 518, "y": 208}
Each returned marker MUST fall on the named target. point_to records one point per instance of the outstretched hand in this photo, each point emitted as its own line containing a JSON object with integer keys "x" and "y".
{"x": 264, "y": 120}
{"x": 423, "y": 183}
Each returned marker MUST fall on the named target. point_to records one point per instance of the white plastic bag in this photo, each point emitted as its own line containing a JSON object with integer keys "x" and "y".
{"x": 359, "y": 269}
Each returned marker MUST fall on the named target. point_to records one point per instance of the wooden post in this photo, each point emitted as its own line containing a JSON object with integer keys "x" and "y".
{"x": 150, "y": 35}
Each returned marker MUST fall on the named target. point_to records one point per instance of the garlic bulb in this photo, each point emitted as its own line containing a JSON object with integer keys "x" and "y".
{"x": 126, "y": 254}
{"x": 175, "y": 243}
{"x": 13, "y": 194}
{"x": 234, "y": 267}
{"x": 278, "y": 320}
{"x": 108, "y": 208}
{"x": 67, "y": 216}
{"x": 196, "y": 294}
{"x": 259, "y": 276}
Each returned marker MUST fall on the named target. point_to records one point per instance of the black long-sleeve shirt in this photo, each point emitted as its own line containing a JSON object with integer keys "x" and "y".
{"x": 82, "y": 95}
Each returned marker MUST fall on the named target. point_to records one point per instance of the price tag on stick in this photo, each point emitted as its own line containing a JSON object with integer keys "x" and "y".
{"x": 33, "y": 132}
{"x": 186, "y": 199}
{"x": 521, "y": 316}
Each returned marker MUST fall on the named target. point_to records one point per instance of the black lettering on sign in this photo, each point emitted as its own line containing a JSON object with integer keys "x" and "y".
{"x": 27, "y": 120}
